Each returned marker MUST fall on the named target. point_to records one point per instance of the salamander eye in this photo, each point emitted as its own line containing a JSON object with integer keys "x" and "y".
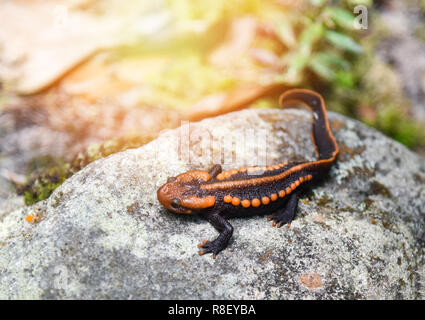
{"x": 171, "y": 179}
{"x": 175, "y": 203}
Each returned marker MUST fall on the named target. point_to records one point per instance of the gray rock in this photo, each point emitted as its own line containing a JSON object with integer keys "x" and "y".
{"x": 103, "y": 234}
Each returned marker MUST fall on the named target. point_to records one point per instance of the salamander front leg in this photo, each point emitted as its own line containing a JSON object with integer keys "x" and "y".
{"x": 285, "y": 214}
{"x": 220, "y": 243}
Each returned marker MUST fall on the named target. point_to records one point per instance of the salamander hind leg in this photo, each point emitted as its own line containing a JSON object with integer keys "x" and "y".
{"x": 215, "y": 170}
{"x": 221, "y": 242}
{"x": 285, "y": 214}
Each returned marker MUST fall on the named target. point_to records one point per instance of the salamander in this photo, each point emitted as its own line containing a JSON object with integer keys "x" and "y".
{"x": 217, "y": 196}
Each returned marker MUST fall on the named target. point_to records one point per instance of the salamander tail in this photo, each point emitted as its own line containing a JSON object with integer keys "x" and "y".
{"x": 325, "y": 142}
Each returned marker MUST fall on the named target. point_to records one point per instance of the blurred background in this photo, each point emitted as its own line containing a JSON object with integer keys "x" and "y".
{"x": 82, "y": 79}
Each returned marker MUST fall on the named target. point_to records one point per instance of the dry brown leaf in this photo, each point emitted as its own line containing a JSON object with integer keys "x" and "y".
{"x": 237, "y": 99}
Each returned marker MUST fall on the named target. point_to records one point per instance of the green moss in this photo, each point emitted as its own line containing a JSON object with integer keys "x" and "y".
{"x": 46, "y": 173}
{"x": 393, "y": 122}
{"x": 44, "y": 184}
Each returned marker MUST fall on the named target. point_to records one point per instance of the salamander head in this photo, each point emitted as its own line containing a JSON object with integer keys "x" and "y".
{"x": 181, "y": 194}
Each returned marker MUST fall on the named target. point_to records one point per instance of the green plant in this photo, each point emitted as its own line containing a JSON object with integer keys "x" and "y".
{"x": 325, "y": 44}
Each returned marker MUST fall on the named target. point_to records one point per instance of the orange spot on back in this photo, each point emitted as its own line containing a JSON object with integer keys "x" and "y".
{"x": 281, "y": 193}
{"x": 236, "y": 201}
{"x": 228, "y": 199}
{"x": 265, "y": 200}
{"x": 288, "y": 190}
{"x": 256, "y": 202}
{"x": 246, "y": 203}
{"x": 273, "y": 197}
{"x": 29, "y": 218}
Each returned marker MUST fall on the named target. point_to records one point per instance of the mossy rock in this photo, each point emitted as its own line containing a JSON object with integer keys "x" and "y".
{"x": 103, "y": 234}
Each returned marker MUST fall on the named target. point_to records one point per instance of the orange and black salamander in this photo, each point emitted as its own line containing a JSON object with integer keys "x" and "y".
{"x": 217, "y": 195}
